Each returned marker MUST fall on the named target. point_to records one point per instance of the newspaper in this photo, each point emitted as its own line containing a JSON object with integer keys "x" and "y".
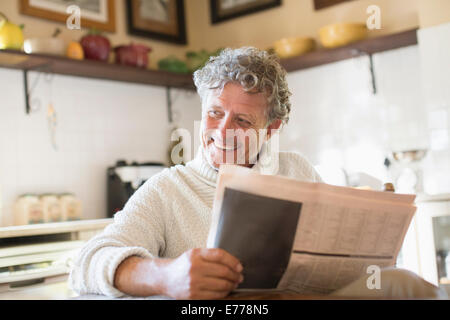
{"x": 310, "y": 238}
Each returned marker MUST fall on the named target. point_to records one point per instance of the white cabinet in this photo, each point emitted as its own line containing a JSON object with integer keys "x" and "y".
{"x": 35, "y": 260}
{"x": 428, "y": 235}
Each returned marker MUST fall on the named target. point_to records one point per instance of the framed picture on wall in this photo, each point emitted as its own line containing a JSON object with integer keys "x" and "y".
{"x": 99, "y": 14}
{"x": 320, "y": 4}
{"x": 222, "y": 10}
{"x": 157, "y": 19}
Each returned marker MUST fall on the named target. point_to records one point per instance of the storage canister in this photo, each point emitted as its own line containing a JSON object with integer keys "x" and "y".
{"x": 28, "y": 210}
{"x": 70, "y": 207}
{"x": 51, "y": 207}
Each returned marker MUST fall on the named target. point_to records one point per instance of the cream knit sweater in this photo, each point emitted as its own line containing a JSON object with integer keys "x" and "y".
{"x": 168, "y": 215}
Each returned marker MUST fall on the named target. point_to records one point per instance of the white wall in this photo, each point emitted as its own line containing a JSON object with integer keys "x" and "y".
{"x": 337, "y": 122}
{"x": 98, "y": 122}
{"x": 434, "y": 50}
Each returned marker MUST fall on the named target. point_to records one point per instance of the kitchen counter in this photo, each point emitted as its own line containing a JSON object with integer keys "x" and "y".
{"x": 53, "y": 291}
{"x": 52, "y": 228}
{"x": 38, "y": 258}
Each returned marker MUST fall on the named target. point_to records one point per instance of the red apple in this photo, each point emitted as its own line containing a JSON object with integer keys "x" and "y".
{"x": 96, "y": 47}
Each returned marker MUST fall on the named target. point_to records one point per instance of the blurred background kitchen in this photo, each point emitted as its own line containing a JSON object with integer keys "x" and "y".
{"x": 86, "y": 119}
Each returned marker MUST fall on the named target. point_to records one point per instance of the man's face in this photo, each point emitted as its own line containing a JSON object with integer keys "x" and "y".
{"x": 231, "y": 125}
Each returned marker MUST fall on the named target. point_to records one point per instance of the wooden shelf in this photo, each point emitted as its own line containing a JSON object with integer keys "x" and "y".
{"x": 108, "y": 71}
{"x": 364, "y": 47}
{"x": 93, "y": 69}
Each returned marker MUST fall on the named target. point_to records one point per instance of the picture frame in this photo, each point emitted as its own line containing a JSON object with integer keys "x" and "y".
{"x": 98, "y": 14}
{"x": 321, "y": 4}
{"x": 162, "y": 20}
{"x": 223, "y": 10}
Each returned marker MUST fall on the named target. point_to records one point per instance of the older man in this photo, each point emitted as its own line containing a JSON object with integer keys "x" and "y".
{"x": 156, "y": 245}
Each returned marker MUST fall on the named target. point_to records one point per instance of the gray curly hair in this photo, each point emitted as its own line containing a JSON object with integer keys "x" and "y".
{"x": 255, "y": 70}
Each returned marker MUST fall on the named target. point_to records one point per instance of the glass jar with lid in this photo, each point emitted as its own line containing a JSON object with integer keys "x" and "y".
{"x": 28, "y": 210}
{"x": 51, "y": 207}
{"x": 70, "y": 207}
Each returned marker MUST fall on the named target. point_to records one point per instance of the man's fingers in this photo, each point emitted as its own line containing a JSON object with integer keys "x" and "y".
{"x": 218, "y": 270}
{"x": 217, "y": 285}
{"x": 221, "y": 256}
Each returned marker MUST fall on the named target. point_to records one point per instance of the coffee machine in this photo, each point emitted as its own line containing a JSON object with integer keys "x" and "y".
{"x": 124, "y": 179}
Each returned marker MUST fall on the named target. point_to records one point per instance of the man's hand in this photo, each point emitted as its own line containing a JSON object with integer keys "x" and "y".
{"x": 202, "y": 274}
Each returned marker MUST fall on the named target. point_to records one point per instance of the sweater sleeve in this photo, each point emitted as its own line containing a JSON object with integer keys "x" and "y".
{"x": 136, "y": 230}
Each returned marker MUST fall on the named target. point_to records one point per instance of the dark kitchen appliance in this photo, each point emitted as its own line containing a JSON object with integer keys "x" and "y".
{"x": 124, "y": 179}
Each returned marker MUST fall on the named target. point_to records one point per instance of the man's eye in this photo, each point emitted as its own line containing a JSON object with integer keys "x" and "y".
{"x": 214, "y": 113}
{"x": 244, "y": 122}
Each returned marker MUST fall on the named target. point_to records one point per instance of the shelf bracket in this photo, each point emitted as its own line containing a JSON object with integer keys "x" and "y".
{"x": 27, "y": 93}
{"x": 372, "y": 74}
{"x": 357, "y": 52}
{"x": 26, "y": 87}
{"x": 169, "y": 104}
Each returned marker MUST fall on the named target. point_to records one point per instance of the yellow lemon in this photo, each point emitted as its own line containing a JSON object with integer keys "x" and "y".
{"x": 75, "y": 51}
{"x": 11, "y": 35}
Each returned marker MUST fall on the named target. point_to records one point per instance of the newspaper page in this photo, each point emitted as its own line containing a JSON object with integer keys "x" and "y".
{"x": 310, "y": 238}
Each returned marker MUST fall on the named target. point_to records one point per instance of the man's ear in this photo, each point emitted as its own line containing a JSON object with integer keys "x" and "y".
{"x": 274, "y": 125}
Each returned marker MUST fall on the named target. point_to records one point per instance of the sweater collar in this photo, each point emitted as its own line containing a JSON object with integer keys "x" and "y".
{"x": 267, "y": 164}
{"x": 202, "y": 168}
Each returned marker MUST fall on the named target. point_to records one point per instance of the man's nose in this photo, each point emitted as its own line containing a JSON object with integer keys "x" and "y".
{"x": 226, "y": 125}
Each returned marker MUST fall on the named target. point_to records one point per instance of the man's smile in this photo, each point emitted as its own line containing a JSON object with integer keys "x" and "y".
{"x": 223, "y": 147}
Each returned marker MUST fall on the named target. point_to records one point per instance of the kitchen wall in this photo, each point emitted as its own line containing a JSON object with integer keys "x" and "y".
{"x": 433, "y": 12}
{"x": 98, "y": 122}
{"x": 293, "y": 18}
{"x": 434, "y": 51}
{"x": 338, "y": 122}
{"x": 36, "y": 27}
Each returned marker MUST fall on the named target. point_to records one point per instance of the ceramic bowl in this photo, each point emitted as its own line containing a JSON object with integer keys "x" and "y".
{"x": 292, "y": 47}
{"x": 341, "y": 34}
